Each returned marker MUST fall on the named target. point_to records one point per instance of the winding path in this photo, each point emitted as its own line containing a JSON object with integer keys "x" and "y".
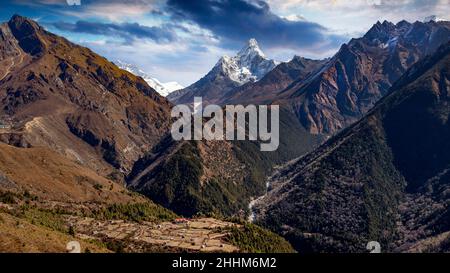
{"x": 13, "y": 62}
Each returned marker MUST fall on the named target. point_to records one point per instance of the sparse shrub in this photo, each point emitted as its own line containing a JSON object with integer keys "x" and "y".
{"x": 8, "y": 198}
{"x": 71, "y": 231}
{"x": 46, "y": 218}
{"x": 137, "y": 212}
{"x": 115, "y": 246}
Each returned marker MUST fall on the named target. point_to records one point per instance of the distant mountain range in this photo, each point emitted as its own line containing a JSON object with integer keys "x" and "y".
{"x": 325, "y": 95}
{"x": 249, "y": 65}
{"x": 432, "y": 18}
{"x": 164, "y": 89}
{"x": 332, "y": 94}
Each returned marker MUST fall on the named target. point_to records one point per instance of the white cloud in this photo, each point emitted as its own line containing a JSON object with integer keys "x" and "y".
{"x": 357, "y": 16}
{"x": 167, "y": 62}
{"x": 294, "y": 17}
{"x": 116, "y": 12}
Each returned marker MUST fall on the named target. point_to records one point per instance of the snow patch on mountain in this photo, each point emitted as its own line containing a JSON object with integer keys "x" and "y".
{"x": 249, "y": 65}
{"x": 163, "y": 89}
{"x": 433, "y": 18}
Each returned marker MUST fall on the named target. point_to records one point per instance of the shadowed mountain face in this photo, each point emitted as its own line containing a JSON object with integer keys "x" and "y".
{"x": 384, "y": 178}
{"x": 65, "y": 97}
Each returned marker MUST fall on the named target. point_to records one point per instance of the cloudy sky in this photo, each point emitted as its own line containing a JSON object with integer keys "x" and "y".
{"x": 180, "y": 40}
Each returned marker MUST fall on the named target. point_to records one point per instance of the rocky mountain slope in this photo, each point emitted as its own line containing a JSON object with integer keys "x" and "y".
{"x": 249, "y": 65}
{"x": 327, "y": 96}
{"x": 65, "y": 97}
{"x": 361, "y": 73}
{"x": 373, "y": 68}
{"x": 72, "y": 125}
{"x": 220, "y": 177}
{"x": 52, "y": 177}
{"x": 164, "y": 89}
{"x": 47, "y": 200}
{"x": 383, "y": 179}
{"x": 371, "y": 64}
{"x": 266, "y": 90}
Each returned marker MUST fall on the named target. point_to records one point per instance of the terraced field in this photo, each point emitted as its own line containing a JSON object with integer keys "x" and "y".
{"x": 195, "y": 235}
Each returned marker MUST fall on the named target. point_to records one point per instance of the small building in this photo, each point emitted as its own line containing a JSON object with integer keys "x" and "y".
{"x": 181, "y": 221}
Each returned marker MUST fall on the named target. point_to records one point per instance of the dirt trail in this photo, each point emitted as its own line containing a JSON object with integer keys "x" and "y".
{"x": 13, "y": 61}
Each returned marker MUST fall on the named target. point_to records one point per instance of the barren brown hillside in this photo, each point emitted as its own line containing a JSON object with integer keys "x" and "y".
{"x": 65, "y": 97}
{"x": 50, "y": 176}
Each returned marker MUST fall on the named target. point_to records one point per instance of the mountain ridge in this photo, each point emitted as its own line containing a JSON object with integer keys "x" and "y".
{"x": 65, "y": 97}
{"x": 249, "y": 65}
{"x": 164, "y": 89}
{"x": 362, "y": 72}
{"x": 331, "y": 97}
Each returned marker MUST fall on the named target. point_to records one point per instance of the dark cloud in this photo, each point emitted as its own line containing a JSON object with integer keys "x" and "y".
{"x": 127, "y": 31}
{"x": 238, "y": 20}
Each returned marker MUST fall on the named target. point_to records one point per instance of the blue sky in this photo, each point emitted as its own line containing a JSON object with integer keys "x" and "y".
{"x": 180, "y": 40}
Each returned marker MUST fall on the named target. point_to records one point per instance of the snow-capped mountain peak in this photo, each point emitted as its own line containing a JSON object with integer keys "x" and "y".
{"x": 251, "y": 49}
{"x": 250, "y": 64}
{"x": 163, "y": 89}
